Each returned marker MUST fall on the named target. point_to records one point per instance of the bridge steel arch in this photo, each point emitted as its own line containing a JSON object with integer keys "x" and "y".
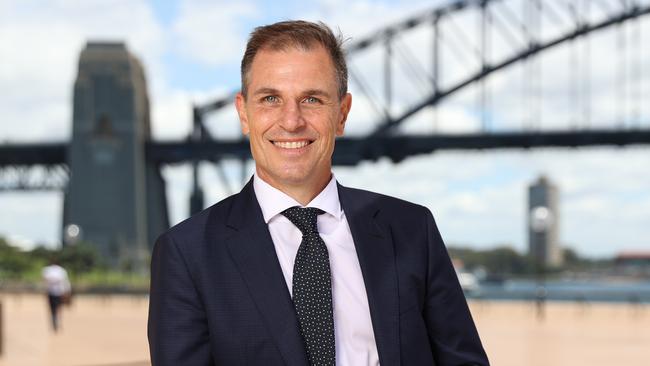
{"x": 383, "y": 36}
{"x": 533, "y": 49}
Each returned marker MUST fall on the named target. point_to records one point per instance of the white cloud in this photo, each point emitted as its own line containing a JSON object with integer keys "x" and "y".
{"x": 447, "y": 118}
{"x": 210, "y": 32}
{"x": 178, "y": 186}
{"x": 362, "y": 17}
{"x": 27, "y": 219}
{"x": 171, "y": 115}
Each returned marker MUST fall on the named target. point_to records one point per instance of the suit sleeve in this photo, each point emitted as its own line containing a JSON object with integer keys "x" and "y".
{"x": 452, "y": 334}
{"x": 177, "y": 327}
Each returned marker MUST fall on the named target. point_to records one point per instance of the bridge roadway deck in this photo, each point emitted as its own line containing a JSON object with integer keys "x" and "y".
{"x": 349, "y": 150}
{"x": 111, "y": 331}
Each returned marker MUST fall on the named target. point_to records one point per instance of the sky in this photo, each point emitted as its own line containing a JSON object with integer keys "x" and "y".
{"x": 191, "y": 51}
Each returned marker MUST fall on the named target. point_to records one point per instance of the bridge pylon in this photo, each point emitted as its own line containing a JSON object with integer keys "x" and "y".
{"x": 115, "y": 196}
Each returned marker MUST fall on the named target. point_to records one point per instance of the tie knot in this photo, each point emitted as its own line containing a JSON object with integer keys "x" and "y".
{"x": 303, "y": 218}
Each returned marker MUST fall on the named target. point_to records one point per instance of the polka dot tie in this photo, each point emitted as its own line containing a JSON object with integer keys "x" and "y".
{"x": 312, "y": 288}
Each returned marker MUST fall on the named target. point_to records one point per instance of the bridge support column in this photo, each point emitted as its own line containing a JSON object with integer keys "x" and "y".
{"x": 115, "y": 196}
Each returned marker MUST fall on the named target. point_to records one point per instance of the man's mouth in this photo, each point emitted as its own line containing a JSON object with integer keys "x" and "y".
{"x": 292, "y": 144}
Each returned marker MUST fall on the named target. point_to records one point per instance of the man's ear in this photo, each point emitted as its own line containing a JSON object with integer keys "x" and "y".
{"x": 346, "y": 104}
{"x": 240, "y": 104}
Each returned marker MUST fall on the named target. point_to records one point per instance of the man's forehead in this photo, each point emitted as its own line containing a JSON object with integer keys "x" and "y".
{"x": 287, "y": 49}
{"x": 278, "y": 58}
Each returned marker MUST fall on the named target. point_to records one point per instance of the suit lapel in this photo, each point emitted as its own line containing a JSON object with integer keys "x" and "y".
{"x": 377, "y": 260}
{"x": 252, "y": 249}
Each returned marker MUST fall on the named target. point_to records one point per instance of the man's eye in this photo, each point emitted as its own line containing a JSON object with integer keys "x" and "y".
{"x": 311, "y": 100}
{"x": 271, "y": 99}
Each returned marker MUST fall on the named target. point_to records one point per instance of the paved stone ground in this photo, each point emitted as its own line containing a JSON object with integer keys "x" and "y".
{"x": 111, "y": 331}
{"x": 103, "y": 331}
{"x": 570, "y": 335}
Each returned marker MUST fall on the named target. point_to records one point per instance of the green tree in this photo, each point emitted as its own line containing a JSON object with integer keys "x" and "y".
{"x": 13, "y": 262}
{"x": 506, "y": 260}
{"x": 79, "y": 258}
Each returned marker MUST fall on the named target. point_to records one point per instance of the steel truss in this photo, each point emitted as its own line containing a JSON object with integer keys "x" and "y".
{"x": 34, "y": 177}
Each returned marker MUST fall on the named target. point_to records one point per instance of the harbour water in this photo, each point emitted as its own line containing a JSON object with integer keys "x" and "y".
{"x": 631, "y": 292}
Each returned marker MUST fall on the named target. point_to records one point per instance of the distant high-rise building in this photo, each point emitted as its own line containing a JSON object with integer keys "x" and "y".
{"x": 543, "y": 223}
{"x": 115, "y": 199}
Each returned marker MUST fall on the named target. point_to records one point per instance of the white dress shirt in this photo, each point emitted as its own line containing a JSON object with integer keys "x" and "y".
{"x": 354, "y": 337}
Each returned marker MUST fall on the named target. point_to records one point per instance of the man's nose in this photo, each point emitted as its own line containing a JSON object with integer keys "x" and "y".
{"x": 292, "y": 118}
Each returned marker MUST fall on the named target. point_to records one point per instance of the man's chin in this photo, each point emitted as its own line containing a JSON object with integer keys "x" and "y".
{"x": 295, "y": 178}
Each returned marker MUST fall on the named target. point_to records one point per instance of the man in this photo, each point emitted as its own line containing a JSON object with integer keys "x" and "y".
{"x": 296, "y": 269}
{"x": 58, "y": 288}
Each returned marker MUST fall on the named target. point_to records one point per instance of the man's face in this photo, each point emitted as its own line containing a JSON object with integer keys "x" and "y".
{"x": 293, "y": 113}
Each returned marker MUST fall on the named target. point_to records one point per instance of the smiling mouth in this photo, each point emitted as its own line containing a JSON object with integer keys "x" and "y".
{"x": 292, "y": 144}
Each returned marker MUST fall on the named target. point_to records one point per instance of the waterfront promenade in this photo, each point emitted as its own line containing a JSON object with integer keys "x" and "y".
{"x": 111, "y": 331}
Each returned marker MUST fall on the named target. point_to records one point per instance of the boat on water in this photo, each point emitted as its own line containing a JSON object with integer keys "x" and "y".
{"x": 468, "y": 281}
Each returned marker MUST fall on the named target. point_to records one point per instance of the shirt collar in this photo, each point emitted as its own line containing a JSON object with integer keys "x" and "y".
{"x": 273, "y": 201}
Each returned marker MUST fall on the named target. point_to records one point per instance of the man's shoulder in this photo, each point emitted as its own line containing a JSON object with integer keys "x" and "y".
{"x": 194, "y": 226}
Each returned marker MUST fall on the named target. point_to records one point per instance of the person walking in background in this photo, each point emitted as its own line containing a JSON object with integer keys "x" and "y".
{"x": 58, "y": 289}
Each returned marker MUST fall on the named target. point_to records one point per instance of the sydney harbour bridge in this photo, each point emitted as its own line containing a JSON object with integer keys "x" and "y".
{"x": 400, "y": 73}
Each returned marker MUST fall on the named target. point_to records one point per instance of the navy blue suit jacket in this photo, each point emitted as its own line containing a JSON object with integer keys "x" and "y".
{"x": 218, "y": 296}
